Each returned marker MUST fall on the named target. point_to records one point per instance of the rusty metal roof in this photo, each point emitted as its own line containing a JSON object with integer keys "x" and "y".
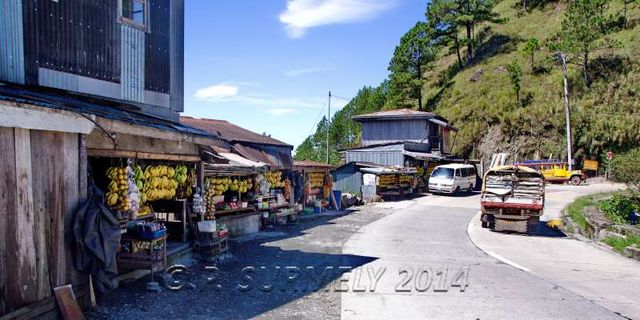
{"x": 273, "y": 156}
{"x": 311, "y": 164}
{"x": 231, "y": 132}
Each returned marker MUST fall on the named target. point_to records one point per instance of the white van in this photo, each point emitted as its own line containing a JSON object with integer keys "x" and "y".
{"x": 452, "y": 178}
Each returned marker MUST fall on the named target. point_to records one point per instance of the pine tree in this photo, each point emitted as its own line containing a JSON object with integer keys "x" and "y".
{"x": 583, "y": 29}
{"x": 515, "y": 76}
{"x": 411, "y": 59}
{"x": 530, "y": 49}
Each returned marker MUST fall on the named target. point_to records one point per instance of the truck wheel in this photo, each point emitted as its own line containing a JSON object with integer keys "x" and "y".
{"x": 532, "y": 225}
{"x": 576, "y": 180}
{"x": 489, "y": 223}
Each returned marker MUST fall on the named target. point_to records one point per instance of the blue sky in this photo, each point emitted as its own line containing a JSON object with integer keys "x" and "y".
{"x": 267, "y": 65}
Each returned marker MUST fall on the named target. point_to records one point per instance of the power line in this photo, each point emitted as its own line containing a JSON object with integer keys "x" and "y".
{"x": 342, "y": 98}
{"x": 315, "y": 124}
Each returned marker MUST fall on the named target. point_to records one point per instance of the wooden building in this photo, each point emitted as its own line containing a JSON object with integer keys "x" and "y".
{"x": 78, "y": 79}
{"x": 400, "y": 137}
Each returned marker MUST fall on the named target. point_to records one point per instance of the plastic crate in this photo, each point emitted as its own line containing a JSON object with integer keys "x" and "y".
{"x": 151, "y": 235}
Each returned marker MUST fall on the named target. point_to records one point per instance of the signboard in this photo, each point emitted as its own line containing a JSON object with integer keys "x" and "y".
{"x": 609, "y": 155}
{"x": 590, "y": 165}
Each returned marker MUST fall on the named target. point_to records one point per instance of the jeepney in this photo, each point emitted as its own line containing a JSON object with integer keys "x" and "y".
{"x": 512, "y": 199}
{"x": 555, "y": 171}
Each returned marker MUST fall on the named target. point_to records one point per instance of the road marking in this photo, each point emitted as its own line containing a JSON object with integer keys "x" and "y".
{"x": 507, "y": 261}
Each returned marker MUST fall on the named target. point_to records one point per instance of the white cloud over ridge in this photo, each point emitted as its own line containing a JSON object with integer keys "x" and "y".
{"x": 230, "y": 93}
{"x": 302, "y": 15}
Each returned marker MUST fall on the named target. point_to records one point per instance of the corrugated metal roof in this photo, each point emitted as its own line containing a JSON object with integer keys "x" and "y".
{"x": 101, "y": 108}
{"x": 395, "y": 114}
{"x": 231, "y": 132}
{"x": 269, "y": 155}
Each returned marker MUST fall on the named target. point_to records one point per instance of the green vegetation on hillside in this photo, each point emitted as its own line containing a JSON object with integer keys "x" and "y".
{"x": 479, "y": 39}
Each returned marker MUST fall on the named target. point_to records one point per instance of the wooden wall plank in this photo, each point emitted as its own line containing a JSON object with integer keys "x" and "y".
{"x": 7, "y": 207}
{"x": 72, "y": 201}
{"x": 22, "y": 220}
{"x": 45, "y": 148}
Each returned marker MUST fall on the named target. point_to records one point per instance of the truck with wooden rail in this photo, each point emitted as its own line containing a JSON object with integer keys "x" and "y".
{"x": 512, "y": 199}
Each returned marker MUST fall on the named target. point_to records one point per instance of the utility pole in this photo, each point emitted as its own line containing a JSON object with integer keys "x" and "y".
{"x": 567, "y": 109}
{"x": 328, "y": 125}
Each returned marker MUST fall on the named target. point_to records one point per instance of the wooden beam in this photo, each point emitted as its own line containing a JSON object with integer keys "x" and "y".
{"x": 20, "y": 115}
{"x": 110, "y": 153}
{"x": 170, "y": 157}
{"x": 141, "y": 155}
{"x": 115, "y": 126}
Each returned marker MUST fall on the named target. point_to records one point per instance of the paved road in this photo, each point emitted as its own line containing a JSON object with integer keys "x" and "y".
{"x": 607, "y": 279}
{"x": 432, "y": 232}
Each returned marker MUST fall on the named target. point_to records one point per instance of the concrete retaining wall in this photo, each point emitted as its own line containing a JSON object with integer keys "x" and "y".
{"x": 241, "y": 224}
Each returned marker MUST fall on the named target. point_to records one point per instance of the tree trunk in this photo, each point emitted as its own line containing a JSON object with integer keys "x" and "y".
{"x": 624, "y": 25}
{"x": 518, "y": 98}
{"x": 469, "y": 44}
{"x": 457, "y": 44}
{"x": 586, "y": 69}
{"x": 533, "y": 62}
{"x": 524, "y": 6}
{"x": 419, "y": 88}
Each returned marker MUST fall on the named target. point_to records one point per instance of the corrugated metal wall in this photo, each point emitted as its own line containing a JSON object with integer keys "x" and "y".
{"x": 378, "y": 132}
{"x": 177, "y": 55}
{"x": 77, "y": 37}
{"x": 347, "y": 179}
{"x": 133, "y": 65}
{"x": 394, "y": 158}
{"x": 11, "y": 41}
{"x": 157, "y": 62}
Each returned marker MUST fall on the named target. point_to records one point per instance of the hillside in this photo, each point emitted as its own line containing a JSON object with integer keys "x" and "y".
{"x": 605, "y": 114}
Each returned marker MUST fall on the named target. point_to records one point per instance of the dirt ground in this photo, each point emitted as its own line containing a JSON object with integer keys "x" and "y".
{"x": 314, "y": 241}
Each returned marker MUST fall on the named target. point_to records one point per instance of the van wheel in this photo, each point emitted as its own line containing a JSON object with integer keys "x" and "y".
{"x": 575, "y": 180}
{"x": 457, "y": 191}
{"x": 470, "y": 190}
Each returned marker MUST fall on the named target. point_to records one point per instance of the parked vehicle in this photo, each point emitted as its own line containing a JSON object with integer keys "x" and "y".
{"x": 556, "y": 171}
{"x": 452, "y": 178}
{"x": 512, "y": 199}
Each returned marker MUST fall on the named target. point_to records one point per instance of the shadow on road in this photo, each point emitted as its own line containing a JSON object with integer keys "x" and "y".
{"x": 233, "y": 291}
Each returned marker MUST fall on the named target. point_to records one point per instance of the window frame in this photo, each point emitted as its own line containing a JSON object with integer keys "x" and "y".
{"x": 132, "y": 23}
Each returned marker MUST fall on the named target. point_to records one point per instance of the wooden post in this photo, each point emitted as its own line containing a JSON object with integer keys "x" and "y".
{"x": 200, "y": 172}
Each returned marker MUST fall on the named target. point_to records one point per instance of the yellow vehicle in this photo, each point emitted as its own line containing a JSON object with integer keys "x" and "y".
{"x": 556, "y": 171}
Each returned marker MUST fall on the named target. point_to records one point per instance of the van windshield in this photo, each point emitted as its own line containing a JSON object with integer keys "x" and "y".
{"x": 442, "y": 173}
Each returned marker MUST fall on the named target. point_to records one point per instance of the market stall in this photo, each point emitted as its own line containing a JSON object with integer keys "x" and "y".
{"x": 394, "y": 181}
{"x": 150, "y": 195}
{"x": 317, "y": 185}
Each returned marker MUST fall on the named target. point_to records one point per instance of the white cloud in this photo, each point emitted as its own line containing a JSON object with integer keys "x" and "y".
{"x": 280, "y": 111}
{"x": 299, "y": 72}
{"x": 217, "y": 92}
{"x": 230, "y": 92}
{"x": 301, "y": 15}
